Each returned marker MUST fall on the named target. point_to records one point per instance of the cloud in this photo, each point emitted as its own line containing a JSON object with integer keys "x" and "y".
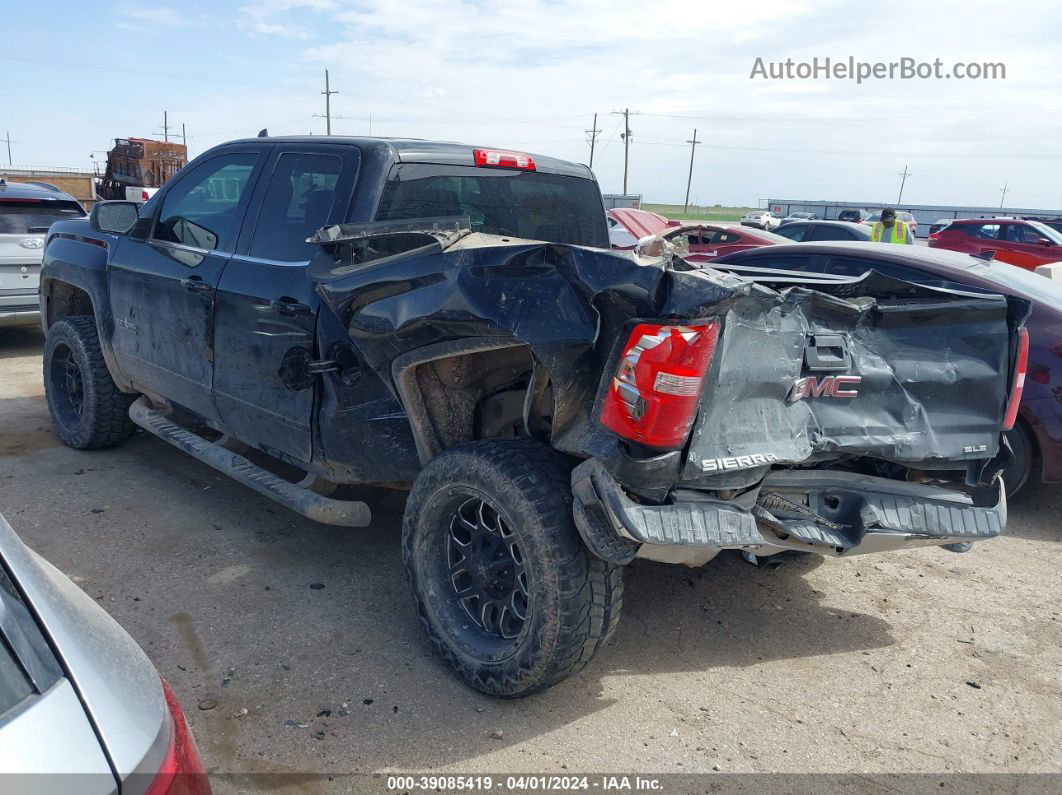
{"x": 135, "y": 17}
{"x": 531, "y": 75}
{"x": 274, "y": 17}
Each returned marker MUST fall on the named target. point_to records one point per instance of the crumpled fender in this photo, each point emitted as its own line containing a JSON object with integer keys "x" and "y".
{"x": 573, "y": 307}
{"x": 568, "y": 304}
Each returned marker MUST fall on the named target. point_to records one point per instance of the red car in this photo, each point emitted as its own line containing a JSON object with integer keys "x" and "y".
{"x": 1027, "y": 244}
{"x": 626, "y": 226}
{"x": 705, "y": 242}
{"x": 696, "y": 242}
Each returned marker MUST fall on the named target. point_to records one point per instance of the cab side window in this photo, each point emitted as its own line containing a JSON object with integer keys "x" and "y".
{"x": 297, "y": 203}
{"x": 794, "y": 232}
{"x": 202, "y": 208}
{"x": 1022, "y": 233}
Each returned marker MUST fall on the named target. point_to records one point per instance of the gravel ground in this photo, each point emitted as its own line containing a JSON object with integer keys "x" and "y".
{"x": 305, "y": 636}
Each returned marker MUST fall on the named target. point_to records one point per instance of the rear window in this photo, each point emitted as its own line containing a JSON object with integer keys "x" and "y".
{"x": 527, "y": 204}
{"x": 29, "y": 217}
{"x": 849, "y": 215}
{"x": 27, "y": 665}
{"x": 831, "y": 233}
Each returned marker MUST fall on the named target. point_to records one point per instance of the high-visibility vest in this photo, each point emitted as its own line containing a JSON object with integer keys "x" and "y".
{"x": 899, "y": 232}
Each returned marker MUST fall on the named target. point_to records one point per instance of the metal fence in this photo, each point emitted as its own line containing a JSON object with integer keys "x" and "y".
{"x": 41, "y": 171}
{"x": 925, "y": 214}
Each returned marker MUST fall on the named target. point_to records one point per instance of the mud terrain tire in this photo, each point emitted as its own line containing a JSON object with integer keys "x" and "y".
{"x": 87, "y": 408}
{"x": 506, "y": 507}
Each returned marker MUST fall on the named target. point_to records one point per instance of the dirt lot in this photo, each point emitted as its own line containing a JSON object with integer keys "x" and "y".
{"x": 917, "y": 661}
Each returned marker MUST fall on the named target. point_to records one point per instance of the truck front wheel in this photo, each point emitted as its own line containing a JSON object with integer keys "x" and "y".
{"x": 504, "y": 587}
{"x": 88, "y": 409}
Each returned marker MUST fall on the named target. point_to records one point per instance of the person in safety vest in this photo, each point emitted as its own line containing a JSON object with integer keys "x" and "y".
{"x": 889, "y": 230}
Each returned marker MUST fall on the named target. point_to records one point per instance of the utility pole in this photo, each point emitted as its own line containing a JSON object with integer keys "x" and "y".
{"x": 165, "y": 126}
{"x": 370, "y": 125}
{"x": 626, "y": 136}
{"x": 328, "y": 105}
{"x": 689, "y": 180}
{"x": 7, "y": 138}
{"x": 593, "y": 133}
{"x": 1003, "y": 190}
{"x": 903, "y": 179}
{"x": 184, "y": 136}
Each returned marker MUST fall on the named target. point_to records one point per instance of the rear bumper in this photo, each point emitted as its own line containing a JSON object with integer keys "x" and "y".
{"x": 829, "y": 513}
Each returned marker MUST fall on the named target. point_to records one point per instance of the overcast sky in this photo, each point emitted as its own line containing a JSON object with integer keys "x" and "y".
{"x": 530, "y": 75}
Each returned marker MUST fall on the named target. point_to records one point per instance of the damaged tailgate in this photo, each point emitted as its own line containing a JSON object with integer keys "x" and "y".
{"x": 872, "y": 367}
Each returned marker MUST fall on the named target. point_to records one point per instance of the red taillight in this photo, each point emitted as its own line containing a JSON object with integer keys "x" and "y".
{"x": 498, "y": 158}
{"x": 1019, "y": 381}
{"x": 653, "y": 397}
{"x": 182, "y": 771}
{"x": 934, "y": 235}
{"x": 144, "y": 196}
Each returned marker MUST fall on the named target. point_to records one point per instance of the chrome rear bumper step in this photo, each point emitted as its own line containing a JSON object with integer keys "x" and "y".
{"x": 345, "y": 513}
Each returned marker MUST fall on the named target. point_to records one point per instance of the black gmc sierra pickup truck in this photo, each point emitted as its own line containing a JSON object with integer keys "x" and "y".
{"x": 309, "y": 315}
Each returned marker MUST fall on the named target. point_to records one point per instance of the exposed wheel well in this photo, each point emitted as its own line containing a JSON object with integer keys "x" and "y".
{"x": 64, "y": 300}
{"x": 456, "y": 393}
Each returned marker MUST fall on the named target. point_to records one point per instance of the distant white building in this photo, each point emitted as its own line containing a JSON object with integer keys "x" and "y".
{"x": 926, "y": 214}
{"x": 629, "y": 200}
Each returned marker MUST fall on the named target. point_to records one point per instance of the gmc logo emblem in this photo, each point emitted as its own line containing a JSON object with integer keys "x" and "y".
{"x": 828, "y": 386}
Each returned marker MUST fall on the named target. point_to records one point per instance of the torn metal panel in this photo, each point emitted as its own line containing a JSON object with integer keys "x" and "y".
{"x": 919, "y": 377}
{"x": 930, "y": 365}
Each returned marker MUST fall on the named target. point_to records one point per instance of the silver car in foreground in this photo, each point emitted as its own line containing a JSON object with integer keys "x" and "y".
{"x": 82, "y": 709}
{"x": 27, "y": 209}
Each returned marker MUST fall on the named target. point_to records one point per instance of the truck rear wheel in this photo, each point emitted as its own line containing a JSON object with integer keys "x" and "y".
{"x": 1017, "y": 474}
{"x": 503, "y": 585}
{"x": 87, "y": 408}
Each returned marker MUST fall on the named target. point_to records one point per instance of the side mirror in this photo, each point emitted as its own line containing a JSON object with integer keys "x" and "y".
{"x": 115, "y": 218}
{"x": 1043, "y": 241}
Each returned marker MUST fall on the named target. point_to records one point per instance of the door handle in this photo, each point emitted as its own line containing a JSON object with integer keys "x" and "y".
{"x": 826, "y": 352}
{"x": 290, "y": 307}
{"x": 195, "y": 284}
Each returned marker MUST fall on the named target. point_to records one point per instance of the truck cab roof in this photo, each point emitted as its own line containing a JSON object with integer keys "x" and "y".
{"x": 415, "y": 150}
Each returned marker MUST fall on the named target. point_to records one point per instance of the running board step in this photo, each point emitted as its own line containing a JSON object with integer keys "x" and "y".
{"x": 345, "y": 513}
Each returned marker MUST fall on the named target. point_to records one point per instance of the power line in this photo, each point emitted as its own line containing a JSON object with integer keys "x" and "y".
{"x": 787, "y": 120}
{"x": 143, "y": 73}
{"x": 938, "y": 155}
